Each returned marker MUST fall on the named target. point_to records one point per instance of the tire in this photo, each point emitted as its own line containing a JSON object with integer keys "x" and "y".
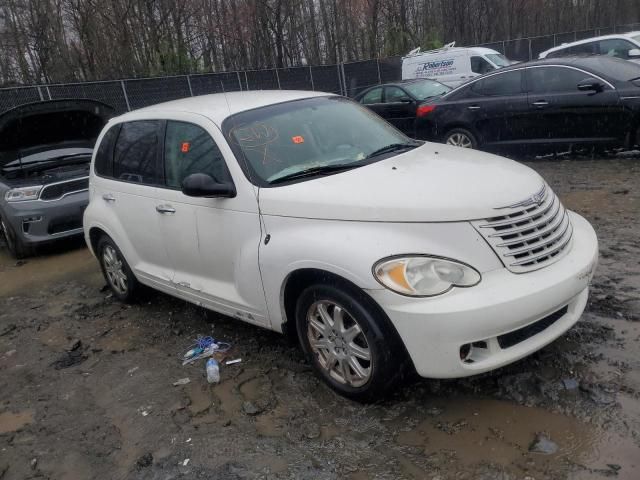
{"x": 116, "y": 271}
{"x": 15, "y": 245}
{"x": 365, "y": 358}
{"x": 459, "y": 137}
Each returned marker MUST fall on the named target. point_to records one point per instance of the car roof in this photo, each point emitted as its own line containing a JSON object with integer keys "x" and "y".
{"x": 593, "y": 39}
{"x": 219, "y": 106}
{"x": 399, "y": 83}
{"x": 599, "y": 64}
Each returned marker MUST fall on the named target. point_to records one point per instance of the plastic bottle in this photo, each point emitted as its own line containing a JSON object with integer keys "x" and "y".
{"x": 213, "y": 371}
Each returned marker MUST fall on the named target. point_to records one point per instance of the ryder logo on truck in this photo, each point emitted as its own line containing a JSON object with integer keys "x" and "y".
{"x": 436, "y": 68}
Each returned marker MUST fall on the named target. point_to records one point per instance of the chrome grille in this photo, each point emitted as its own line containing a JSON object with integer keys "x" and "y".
{"x": 55, "y": 191}
{"x": 531, "y": 235}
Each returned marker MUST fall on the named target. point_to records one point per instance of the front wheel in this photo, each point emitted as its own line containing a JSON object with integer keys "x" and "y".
{"x": 16, "y": 246}
{"x": 459, "y": 137}
{"x": 350, "y": 346}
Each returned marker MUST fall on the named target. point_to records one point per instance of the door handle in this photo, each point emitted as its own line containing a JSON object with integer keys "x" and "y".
{"x": 107, "y": 197}
{"x": 165, "y": 209}
{"x": 473, "y": 107}
{"x": 540, "y": 103}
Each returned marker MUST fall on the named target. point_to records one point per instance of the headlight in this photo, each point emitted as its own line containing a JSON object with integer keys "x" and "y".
{"x": 423, "y": 276}
{"x": 23, "y": 193}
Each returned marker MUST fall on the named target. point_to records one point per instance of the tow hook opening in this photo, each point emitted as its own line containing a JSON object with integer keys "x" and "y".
{"x": 470, "y": 352}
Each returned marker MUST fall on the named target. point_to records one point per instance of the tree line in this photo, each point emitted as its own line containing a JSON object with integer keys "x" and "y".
{"x": 69, "y": 40}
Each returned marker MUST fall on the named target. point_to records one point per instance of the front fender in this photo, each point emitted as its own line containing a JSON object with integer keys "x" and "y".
{"x": 350, "y": 249}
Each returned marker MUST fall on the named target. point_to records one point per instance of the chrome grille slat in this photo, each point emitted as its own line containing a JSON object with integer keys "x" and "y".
{"x": 531, "y": 234}
{"x": 549, "y": 227}
{"x": 546, "y": 253}
{"x": 529, "y": 226}
{"x": 545, "y": 206}
{"x": 539, "y": 244}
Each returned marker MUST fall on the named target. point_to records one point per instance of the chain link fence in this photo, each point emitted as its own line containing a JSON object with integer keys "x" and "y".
{"x": 344, "y": 79}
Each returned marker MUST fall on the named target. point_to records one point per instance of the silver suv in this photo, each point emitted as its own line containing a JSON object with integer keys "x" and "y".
{"x": 45, "y": 152}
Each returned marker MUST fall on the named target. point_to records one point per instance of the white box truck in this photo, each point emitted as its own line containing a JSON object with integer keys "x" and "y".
{"x": 451, "y": 65}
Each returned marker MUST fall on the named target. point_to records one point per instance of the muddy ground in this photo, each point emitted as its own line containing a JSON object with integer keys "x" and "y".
{"x": 86, "y": 383}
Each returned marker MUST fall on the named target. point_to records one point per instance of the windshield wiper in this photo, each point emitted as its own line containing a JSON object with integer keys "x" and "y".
{"x": 314, "y": 171}
{"x": 394, "y": 147}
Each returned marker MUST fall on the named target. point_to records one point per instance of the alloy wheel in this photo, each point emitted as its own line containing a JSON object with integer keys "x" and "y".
{"x": 339, "y": 343}
{"x": 114, "y": 268}
{"x": 459, "y": 140}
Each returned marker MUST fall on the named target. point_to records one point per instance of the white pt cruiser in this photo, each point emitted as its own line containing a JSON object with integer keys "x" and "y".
{"x": 307, "y": 214}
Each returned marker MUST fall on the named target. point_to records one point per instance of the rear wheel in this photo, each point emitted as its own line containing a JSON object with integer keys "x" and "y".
{"x": 459, "y": 137}
{"x": 349, "y": 345}
{"x": 16, "y": 246}
{"x": 116, "y": 270}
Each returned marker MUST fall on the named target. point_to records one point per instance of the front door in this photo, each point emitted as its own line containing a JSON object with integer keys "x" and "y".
{"x": 562, "y": 114}
{"x": 212, "y": 243}
{"x": 400, "y": 109}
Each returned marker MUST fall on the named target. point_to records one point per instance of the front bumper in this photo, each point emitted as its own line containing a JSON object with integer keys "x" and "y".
{"x": 434, "y": 329}
{"x": 40, "y": 221}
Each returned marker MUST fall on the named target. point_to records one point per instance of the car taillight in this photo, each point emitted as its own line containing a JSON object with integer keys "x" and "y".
{"x": 424, "y": 110}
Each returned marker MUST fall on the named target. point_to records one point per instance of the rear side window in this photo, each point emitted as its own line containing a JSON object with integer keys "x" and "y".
{"x": 136, "y": 153}
{"x": 104, "y": 155}
{"x": 508, "y": 83}
{"x": 373, "y": 96}
{"x": 190, "y": 149}
{"x": 555, "y": 79}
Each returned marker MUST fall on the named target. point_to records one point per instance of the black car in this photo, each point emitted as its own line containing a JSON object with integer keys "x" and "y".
{"x": 399, "y": 103}
{"x": 541, "y": 105}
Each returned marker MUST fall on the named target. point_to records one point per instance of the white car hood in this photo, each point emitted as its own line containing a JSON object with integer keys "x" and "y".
{"x": 432, "y": 183}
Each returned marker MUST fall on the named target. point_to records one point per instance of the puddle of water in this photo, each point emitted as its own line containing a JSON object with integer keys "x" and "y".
{"x": 479, "y": 430}
{"x": 12, "y": 422}
{"x": 39, "y": 271}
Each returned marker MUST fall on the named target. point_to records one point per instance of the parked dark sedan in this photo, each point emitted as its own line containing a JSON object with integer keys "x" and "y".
{"x": 399, "y": 103}
{"x": 542, "y": 105}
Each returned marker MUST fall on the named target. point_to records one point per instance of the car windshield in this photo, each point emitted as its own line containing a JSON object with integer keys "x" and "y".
{"x": 319, "y": 135}
{"x": 636, "y": 38}
{"x": 50, "y": 155}
{"x": 499, "y": 59}
{"x": 426, "y": 89}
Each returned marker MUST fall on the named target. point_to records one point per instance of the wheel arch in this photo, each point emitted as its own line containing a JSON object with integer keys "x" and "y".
{"x": 462, "y": 125}
{"x": 298, "y": 280}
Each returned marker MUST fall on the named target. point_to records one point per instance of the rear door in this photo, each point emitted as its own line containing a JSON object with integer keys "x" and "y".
{"x": 497, "y": 107}
{"x": 126, "y": 189}
{"x": 560, "y": 113}
{"x": 400, "y": 109}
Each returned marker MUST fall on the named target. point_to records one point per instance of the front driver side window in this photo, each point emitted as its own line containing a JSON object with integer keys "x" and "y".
{"x": 480, "y": 65}
{"x": 190, "y": 149}
{"x": 395, "y": 95}
{"x": 372, "y": 97}
{"x": 616, "y": 48}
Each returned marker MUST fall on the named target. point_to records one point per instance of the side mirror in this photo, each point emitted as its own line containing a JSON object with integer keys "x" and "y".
{"x": 590, "y": 85}
{"x": 203, "y": 185}
{"x": 634, "y": 53}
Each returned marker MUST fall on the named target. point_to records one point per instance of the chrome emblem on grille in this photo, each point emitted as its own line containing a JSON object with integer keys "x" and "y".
{"x": 535, "y": 199}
